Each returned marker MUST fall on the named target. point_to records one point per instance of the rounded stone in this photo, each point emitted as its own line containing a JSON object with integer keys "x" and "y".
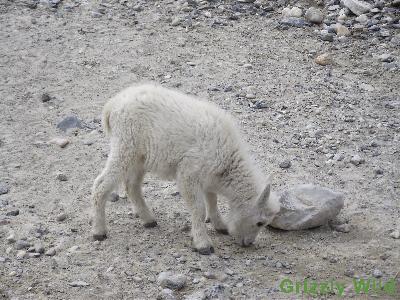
{"x": 314, "y": 15}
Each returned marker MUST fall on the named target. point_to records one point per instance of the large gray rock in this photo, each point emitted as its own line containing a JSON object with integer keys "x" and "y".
{"x": 357, "y": 7}
{"x": 306, "y": 206}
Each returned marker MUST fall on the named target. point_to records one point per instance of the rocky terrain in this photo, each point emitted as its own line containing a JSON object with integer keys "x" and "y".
{"x": 314, "y": 86}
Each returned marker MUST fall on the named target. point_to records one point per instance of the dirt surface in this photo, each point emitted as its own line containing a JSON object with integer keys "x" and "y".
{"x": 82, "y": 53}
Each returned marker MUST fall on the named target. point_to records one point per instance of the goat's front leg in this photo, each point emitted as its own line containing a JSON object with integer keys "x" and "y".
{"x": 213, "y": 214}
{"x": 134, "y": 190}
{"x": 195, "y": 201}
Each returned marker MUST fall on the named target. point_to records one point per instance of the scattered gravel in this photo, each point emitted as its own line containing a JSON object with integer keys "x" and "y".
{"x": 63, "y": 59}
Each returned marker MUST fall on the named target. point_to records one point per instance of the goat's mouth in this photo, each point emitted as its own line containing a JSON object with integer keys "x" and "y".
{"x": 245, "y": 243}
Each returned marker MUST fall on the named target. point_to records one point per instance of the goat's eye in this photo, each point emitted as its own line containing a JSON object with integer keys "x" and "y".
{"x": 259, "y": 224}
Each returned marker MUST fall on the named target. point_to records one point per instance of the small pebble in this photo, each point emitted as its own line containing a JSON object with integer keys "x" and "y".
{"x": 166, "y": 294}
{"x": 286, "y": 164}
{"x": 324, "y": 59}
{"x": 342, "y": 228}
{"x": 11, "y": 238}
{"x": 60, "y": 142}
{"x": 362, "y": 19}
{"x": 349, "y": 273}
{"x": 293, "y": 12}
{"x": 70, "y": 122}
{"x": 78, "y": 283}
{"x": 357, "y": 160}
{"x": 45, "y": 97}
{"x": 250, "y": 96}
{"x": 384, "y": 256}
{"x": 395, "y": 234}
{"x": 61, "y": 217}
{"x": 171, "y": 280}
{"x": 21, "y": 254}
{"x": 176, "y": 21}
{"x": 62, "y": 177}
{"x": 386, "y": 58}
{"x": 74, "y": 248}
{"x": 4, "y": 189}
{"x": 39, "y": 247}
{"x": 22, "y": 244}
{"x": 326, "y": 36}
{"x": 248, "y": 66}
{"x": 341, "y": 30}
{"x": 33, "y": 255}
{"x": 314, "y": 15}
{"x": 333, "y": 260}
{"x": 209, "y": 275}
{"x": 13, "y": 213}
{"x": 51, "y": 252}
{"x": 377, "y": 273}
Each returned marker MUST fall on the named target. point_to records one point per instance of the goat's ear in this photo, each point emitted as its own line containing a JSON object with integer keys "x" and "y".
{"x": 264, "y": 196}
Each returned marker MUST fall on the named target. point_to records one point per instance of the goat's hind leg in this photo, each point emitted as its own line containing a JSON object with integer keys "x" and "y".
{"x": 104, "y": 184}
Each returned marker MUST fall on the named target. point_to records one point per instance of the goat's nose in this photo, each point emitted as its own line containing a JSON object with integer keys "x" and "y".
{"x": 246, "y": 244}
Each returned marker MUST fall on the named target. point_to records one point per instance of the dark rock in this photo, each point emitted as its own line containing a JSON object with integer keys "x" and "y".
{"x": 295, "y": 22}
{"x": 13, "y": 213}
{"x": 70, "y": 122}
{"x": 4, "y": 188}
{"x": 45, "y": 97}
{"x": 62, "y": 177}
{"x": 286, "y": 164}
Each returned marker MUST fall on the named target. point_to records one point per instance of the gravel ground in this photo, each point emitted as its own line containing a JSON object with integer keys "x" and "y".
{"x": 337, "y": 124}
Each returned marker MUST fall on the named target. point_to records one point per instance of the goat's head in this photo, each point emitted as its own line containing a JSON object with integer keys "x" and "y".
{"x": 245, "y": 223}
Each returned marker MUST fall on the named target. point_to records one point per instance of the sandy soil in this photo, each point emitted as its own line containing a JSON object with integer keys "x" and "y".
{"x": 80, "y": 57}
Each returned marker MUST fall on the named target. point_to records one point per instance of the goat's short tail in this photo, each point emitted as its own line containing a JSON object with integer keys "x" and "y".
{"x": 106, "y": 117}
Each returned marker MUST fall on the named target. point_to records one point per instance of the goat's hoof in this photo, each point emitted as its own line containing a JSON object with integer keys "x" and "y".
{"x": 206, "y": 250}
{"x": 207, "y": 220}
{"x": 223, "y": 231}
{"x": 150, "y": 225}
{"x": 99, "y": 237}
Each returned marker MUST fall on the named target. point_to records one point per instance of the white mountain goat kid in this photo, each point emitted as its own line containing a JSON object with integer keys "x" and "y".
{"x": 157, "y": 130}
